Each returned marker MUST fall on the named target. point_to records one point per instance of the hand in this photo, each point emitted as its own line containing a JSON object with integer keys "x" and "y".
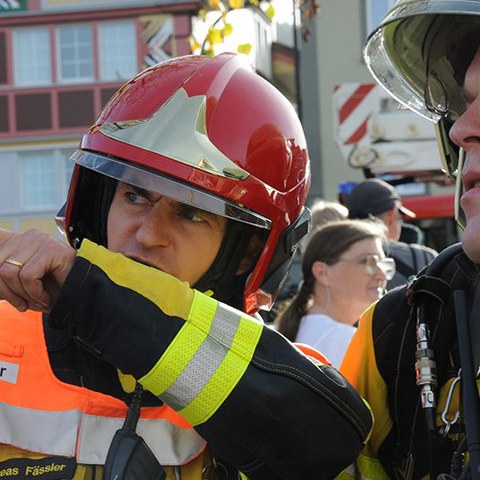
{"x": 33, "y": 268}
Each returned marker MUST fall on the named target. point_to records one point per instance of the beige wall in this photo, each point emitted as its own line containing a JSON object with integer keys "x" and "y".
{"x": 47, "y": 224}
{"x": 339, "y": 40}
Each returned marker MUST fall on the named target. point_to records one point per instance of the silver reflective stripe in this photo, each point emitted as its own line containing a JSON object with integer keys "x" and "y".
{"x": 56, "y": 433}
{"x": 171, "y": 444}
{"x": 206, "y": 360}
{"x": 39, "y": 431}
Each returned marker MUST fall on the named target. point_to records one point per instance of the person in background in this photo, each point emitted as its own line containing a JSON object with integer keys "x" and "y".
{"x": 344, "y": 190}
{"x": 322, "y": 211}
{"x": 376, "y": 198}
{"x": 344, "y": 271}
{"x": 146, "y": 317}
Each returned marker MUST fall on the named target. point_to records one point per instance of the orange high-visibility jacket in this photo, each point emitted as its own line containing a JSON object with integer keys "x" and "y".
{"x": 39, "y": 413}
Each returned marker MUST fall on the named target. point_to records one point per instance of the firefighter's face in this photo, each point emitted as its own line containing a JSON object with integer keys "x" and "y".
{"x": 466, "y": 134}
{"x": 153, "y": 229}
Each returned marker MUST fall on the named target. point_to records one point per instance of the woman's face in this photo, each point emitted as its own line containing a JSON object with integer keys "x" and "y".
{"x": 356, "y": 278}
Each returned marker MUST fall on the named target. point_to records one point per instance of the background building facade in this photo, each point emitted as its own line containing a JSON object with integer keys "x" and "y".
{"x": 61, "y": 60}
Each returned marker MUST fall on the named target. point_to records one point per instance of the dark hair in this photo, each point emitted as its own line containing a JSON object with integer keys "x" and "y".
{"x": 327, "y": 244}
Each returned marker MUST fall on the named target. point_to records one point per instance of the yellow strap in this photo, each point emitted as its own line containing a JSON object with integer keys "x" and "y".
{"x": 365, "y": 468}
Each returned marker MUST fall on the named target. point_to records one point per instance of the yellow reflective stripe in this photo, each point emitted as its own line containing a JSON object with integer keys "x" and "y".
{"x": 346, "y": 475}
{"x": 242, "y": 476}
{"x": 365, "y": 468}
{"x": 157, "y": 286}
{"x": 206, "y": 360}
{"x": 227, "y": 375}
{"x": 180, "y": 352}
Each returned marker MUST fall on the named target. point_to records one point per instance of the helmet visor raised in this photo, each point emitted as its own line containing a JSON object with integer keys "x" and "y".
{"x": 420, "y": 54}
{"x": 178, "y": 191}
{"x": 422, "y": 60}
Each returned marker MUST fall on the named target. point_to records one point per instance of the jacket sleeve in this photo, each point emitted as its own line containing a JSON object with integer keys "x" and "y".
{"x": 261, "y": 404}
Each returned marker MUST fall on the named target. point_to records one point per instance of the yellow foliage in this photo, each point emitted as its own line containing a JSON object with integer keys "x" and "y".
{"x": 194, "y": 45}
{"x": 270, "y": 11}
{"x": 244, "y": 48}
{"x": 214, "y": 36}
{"x": 214, "y": 4}
{"x": 227, "y": 29}
{"x": 236, "y": 3}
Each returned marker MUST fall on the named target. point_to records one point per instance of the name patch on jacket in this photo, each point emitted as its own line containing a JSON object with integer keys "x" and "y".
{"x": 8, "y": 372}
{"x": 49, "y": 468}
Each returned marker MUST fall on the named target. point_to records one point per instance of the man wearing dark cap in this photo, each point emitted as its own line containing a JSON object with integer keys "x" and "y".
{"x": 374, "y": 198}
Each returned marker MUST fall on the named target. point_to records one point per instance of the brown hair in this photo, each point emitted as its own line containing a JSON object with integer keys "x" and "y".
{"x": 327, "y": 244}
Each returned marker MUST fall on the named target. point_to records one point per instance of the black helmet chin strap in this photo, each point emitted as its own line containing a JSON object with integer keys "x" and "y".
{"x": 221, "y": 278}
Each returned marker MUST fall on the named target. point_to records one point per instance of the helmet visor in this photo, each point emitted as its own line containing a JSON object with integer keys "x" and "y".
{"x": 178, "y": 191}
{"x": 420, "y": 56}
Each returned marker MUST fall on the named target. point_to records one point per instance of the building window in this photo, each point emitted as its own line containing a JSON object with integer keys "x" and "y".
{"x": 69, "y": 164}
{"x": 38, "y": 180}
{"x": 375, "y": 11}
{"x": 75, "y": 53}
{"x": 31, "y": 52}
{"x": 117, "y": 50}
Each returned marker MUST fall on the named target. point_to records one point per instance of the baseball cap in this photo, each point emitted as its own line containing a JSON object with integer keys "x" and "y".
{"x": 374, "y": 197}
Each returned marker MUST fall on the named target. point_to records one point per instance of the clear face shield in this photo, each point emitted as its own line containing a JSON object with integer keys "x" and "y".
{"x": 175, "y": 190}
{"x": 421, "y": 60}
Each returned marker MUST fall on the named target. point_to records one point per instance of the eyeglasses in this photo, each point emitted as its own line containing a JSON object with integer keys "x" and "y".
{"x": 372, "y": 262}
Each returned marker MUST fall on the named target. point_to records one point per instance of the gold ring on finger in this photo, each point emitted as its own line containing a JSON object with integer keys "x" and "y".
{"x": 14, "y": 262}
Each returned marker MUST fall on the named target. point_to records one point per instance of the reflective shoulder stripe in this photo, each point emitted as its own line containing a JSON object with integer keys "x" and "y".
{"x": 206, "y": 360}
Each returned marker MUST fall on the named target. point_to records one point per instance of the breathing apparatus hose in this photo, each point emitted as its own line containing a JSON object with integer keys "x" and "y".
{"x": 471, "y": 400}
{"x": 425, "y": 361}
{"x": 425, "y": 365}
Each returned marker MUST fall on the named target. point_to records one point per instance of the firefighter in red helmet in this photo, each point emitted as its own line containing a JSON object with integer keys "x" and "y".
{"x": 127, "y": 351}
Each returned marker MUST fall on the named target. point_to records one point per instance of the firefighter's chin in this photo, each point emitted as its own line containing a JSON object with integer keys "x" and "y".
{"x": 470, "y": 203}
{"x": 471, "y": 238}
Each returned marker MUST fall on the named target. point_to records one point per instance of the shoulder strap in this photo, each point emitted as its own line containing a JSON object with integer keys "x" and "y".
{"x": 418, "y": 257}
{"x": 421, "y": 256}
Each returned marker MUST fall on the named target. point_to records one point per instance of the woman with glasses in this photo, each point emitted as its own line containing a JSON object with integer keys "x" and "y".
{"x": 344, "y": 271}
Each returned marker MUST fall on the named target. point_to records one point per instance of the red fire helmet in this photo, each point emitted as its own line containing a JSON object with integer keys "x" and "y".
{"x": 208, "y": 132}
